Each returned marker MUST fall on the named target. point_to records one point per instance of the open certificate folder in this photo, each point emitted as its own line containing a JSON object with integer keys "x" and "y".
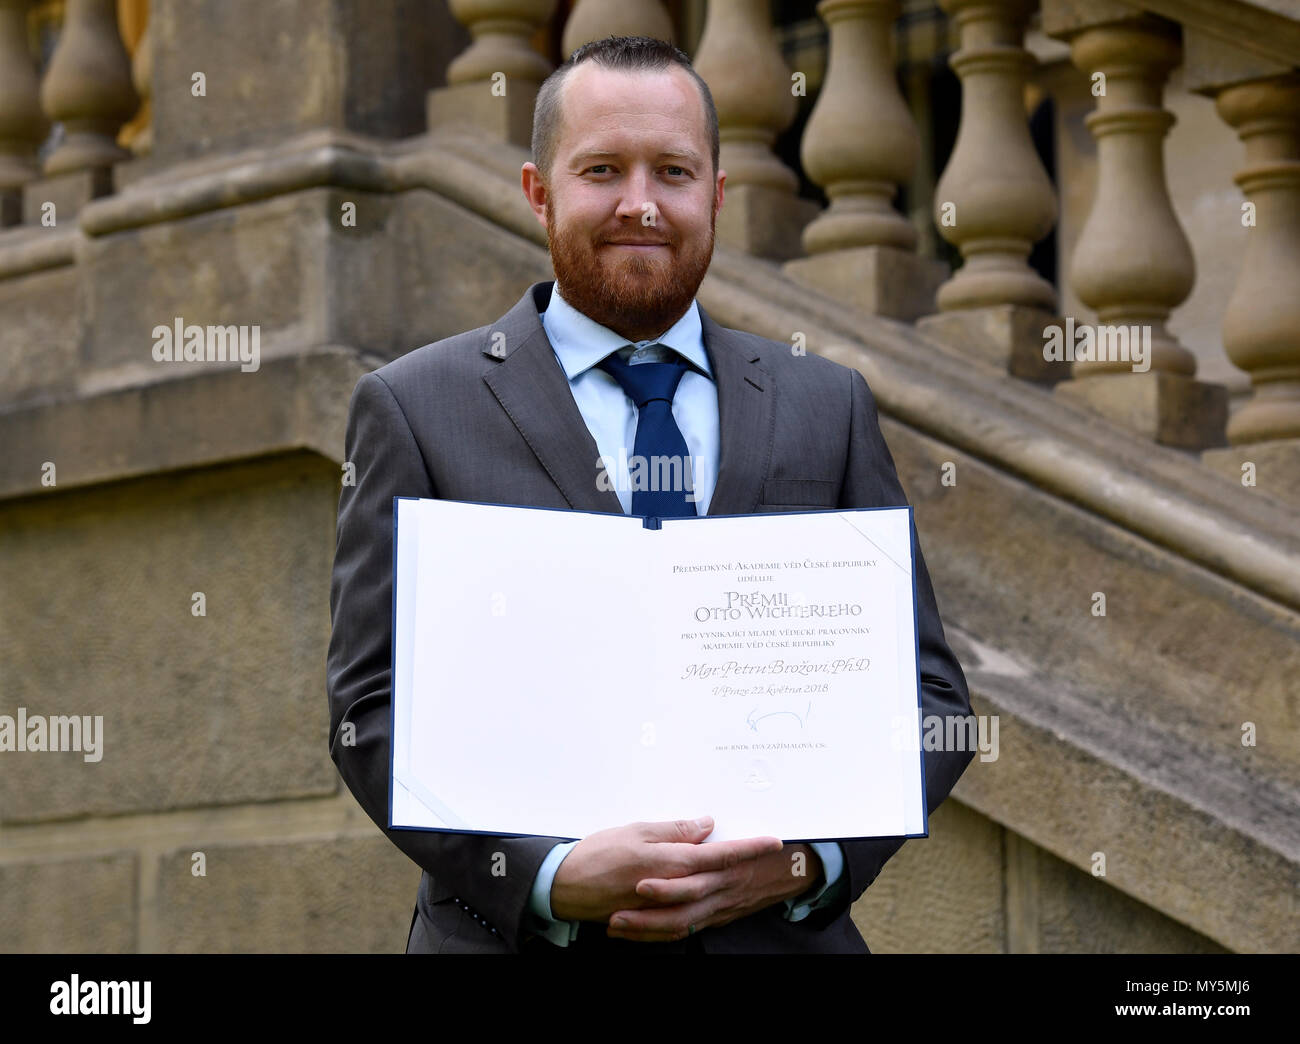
{"x": 561, "y": 672}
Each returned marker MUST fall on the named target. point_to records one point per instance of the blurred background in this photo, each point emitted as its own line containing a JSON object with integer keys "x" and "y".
{"x": 919, "y": 190}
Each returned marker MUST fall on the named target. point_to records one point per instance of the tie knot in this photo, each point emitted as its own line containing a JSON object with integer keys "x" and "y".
{"x": 645, "y": 382}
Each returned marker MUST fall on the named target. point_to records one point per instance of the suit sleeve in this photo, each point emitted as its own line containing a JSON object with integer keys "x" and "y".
{"x": 389, "y": 463}
{"x": 870, "y": 480}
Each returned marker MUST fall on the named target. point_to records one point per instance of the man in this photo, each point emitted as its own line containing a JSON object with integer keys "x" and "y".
{"x": 537, "y": 409}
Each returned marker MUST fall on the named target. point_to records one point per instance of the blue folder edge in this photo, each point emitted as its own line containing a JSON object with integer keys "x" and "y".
{"x": 651, "y": 522}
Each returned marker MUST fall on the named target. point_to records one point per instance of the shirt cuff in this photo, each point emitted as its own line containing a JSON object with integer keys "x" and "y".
{"x": 832, "y": 857}
{"x": 539, "y": 920}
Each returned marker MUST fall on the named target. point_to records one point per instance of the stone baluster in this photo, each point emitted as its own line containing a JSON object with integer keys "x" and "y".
{"x": 142, "y": 78}
{"x": 88, "y": 88}
{"x": 1261, "y": 326}
{"x": 995, "y": 200}
{"x": 1132, "y": 263}
{"x": 859, "y": 146}
{"x": 1001, "y": 199}
{"x": 492, "y": 85}
{"x": 597, "y": 19}
{"x": 739, "y": 59}
{"x": 22, "y": 124}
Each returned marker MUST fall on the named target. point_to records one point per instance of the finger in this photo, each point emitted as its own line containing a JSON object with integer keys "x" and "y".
{"x": 676, "y": 891}
{"x": 689, "y": 831}
{"x": 663, "y": 861}
{"x": 660, "y": 924}
{"x": 721, "y": 855}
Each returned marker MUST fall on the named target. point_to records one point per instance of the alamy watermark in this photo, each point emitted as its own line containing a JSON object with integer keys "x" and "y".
{"x": 193, "y": 343}
{"x": 973, "y": 732}
{"x": 58, "y": 733}
{"x": 641, "y": 474}
{"x": 71, "y": 996}
{"x": 1084, "y": 343}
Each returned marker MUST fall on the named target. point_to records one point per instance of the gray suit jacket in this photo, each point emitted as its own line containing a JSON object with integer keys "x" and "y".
{"x": 492, "y": 418}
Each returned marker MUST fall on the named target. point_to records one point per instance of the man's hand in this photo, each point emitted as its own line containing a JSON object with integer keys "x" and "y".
{"x": 716, "y": 897}
{"x": 602, "y": 873}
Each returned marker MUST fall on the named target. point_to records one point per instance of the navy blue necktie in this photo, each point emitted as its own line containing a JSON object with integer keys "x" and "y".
{"x": 660, "y": 452}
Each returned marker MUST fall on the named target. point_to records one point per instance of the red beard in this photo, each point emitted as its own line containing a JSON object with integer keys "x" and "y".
{"x": 636, "y": 296}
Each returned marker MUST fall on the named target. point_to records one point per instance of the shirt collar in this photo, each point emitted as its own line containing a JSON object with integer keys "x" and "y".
{"x": 581, "y": 342}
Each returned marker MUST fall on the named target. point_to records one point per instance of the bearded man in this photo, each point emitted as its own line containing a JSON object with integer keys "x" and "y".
{"x": 557, "y": 404}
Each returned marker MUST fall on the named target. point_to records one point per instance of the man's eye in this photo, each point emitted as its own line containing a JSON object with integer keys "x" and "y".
{"x": 679, "y": 169}
{"x": 599, "y": 168}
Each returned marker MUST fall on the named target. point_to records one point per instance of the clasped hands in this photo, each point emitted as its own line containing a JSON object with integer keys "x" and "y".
{"x": 655, "y": 882}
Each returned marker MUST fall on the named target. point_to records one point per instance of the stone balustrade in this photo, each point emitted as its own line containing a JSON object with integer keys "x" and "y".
{"x": 412, "y": 119}
{"x": 1131, "y": 264}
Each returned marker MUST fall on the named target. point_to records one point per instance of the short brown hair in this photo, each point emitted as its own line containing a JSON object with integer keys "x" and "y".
{"x": 630, "y": 53}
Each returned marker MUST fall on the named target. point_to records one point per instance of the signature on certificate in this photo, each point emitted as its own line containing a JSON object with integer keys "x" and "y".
{"x": 753, "y": 718}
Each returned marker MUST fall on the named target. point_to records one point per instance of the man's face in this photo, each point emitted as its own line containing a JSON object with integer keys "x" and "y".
{"x": 632, "y": 200}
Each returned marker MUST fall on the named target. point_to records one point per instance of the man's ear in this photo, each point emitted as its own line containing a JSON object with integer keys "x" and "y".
{"x": 534, "y": 191}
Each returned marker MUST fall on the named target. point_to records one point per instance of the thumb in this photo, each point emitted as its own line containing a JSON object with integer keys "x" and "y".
{"x": 689, "y": 830}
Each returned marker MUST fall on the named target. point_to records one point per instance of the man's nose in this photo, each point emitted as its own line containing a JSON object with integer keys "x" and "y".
{"x": 638, "y": 196}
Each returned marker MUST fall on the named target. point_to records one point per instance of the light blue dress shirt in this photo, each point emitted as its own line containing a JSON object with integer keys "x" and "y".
{"x": 579, "y": 344}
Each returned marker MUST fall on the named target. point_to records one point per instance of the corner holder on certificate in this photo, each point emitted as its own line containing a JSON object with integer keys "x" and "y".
{"x": 561, "y": 672}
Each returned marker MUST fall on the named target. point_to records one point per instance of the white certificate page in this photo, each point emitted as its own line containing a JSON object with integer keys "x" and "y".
{"x": 556, "y": 673}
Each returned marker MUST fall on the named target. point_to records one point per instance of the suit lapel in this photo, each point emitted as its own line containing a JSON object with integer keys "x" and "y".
{"x": 533, "y": 390}
{"x": 746, "y": 418}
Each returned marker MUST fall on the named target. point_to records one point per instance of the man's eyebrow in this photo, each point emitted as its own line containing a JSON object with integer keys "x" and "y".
{"x": 690, "y": 157}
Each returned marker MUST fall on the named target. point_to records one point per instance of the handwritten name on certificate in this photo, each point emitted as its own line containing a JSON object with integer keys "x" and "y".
{"x": 556, "y": 673}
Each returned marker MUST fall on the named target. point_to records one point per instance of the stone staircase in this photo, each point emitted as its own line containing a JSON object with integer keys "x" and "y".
{"x": 1146, "y": 789}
